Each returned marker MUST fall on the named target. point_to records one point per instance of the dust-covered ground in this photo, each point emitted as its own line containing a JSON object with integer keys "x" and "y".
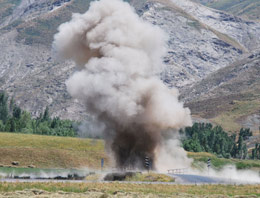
{"x": 34, "y": 193}
{"x": 129, "y": 190}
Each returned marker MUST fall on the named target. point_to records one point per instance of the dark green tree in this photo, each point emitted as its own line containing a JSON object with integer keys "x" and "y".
{"x": 17, "y": 112}
{"x": 258, "y": 156}
{"x": 244, "y": 151}
{"x": 10, "y": 125}
{"x": 3, "y": 107}
{"x": 245, "y": 133}
{"x": 240, "y": 147}
{"x": 46, "y": 114}
{"x": 11, "y": 105}
{"x": 18, "y": 120}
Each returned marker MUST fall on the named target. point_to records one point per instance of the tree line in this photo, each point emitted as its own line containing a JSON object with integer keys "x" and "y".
{"x": 203, "y": 137}
{"x": 14, "y": 119}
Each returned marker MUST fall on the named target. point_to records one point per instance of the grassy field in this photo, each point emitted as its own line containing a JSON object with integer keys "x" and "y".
{"x": 218, "y": 163}
{"x": 66, "y": 152}
{"x": 148, "y": 190}
{"x": 50, "y": 151}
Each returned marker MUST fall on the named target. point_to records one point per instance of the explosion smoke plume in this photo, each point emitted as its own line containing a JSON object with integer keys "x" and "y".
{"x": 119, "y": 59}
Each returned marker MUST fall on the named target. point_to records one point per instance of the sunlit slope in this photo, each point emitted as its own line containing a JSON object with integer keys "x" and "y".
{"x": 50, "y": 151}
{"x": 229, "y": 97}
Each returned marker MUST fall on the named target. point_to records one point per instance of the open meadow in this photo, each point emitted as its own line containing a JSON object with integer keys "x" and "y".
{"x": 50, "y": 151}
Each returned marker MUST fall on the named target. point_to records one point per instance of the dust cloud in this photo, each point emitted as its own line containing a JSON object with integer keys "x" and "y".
{"x": 119, "y": 59}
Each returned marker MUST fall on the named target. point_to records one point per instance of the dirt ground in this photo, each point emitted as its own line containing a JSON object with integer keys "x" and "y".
{"x": 93, "y": 194}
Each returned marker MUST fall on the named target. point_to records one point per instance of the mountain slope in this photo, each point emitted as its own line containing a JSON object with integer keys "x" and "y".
{"x": 230, "y": 96}
{"x": 29, "y": 72}
{"x": 201, "y": 40}
{"x": 244, "y": 32}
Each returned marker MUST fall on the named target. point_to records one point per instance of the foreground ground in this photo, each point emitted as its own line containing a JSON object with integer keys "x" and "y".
{"x": 104, "y": 190}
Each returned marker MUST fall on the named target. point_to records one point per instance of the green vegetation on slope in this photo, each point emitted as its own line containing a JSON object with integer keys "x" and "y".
{"x": 50, "y": 151}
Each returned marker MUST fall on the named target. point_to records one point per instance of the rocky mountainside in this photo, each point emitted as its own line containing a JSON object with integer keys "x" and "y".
{"x": 29, "y": 9}
{"x": 229, "y": 96}
{"x": 29, "y": 72}
{"x": 241, "y": 76}
{"x": 201, "y": 41}
{"x": 248, "y": 9}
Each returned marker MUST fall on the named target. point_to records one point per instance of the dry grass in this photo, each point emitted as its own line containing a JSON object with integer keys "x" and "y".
{"x": 94, "y": 177}
{"x": 150, "y": 177}
{"x": 66, "y": 152}
{"x": 50, "y": 151}
{"x": 229, "y": 120}
{"x": 155, "y": 189}
{"x": 229, "y": 111}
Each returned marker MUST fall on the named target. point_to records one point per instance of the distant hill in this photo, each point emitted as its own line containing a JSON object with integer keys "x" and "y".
{"x": 248, "y": 9}
{"x": 230, "y": 96}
